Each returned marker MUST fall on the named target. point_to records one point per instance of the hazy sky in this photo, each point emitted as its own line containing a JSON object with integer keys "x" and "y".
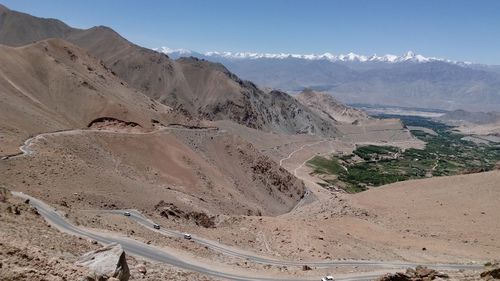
{"x": 453, "y": 29}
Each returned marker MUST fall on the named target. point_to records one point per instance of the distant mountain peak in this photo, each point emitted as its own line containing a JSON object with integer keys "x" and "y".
{"x": 409, "y": 56}
{"x": 167, "y": 50}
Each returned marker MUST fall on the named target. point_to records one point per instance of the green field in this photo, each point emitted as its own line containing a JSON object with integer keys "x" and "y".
{"x": 444, "y": 154}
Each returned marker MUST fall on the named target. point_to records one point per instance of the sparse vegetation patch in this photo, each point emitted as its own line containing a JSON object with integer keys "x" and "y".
{"x": 446, "y": 153}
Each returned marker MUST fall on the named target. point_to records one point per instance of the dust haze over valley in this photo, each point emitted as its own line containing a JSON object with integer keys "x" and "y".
{"x": 120, "y": 162}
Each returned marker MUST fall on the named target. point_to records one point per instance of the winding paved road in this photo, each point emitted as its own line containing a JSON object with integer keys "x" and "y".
{"x": 224, "y": 249}
{"x": 152, "y": 253}
{"x": 137, "y": 248}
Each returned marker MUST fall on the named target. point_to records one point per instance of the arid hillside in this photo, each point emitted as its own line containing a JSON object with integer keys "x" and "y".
{"x": 17, "y": 29}
{"x": 484, "y": 124}
{"x": 53, "y": 85}
{"x": 457, "y": 215}
{"x": 185, "y": 173}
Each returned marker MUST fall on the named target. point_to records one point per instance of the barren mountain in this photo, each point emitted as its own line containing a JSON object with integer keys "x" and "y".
{"x": 17, "y": 29}
{"x": 53, "y": 85}
{"x": 480, "y": 118}
{"x": 218, "y": 94}
{"x": 150, "y": 72}
{"x": 328, "y": 107}
{"x": 475, "y": 123}
{"x": 197, "y": 88}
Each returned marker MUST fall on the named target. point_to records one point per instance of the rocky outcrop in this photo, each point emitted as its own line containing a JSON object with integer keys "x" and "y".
{"x": 169, "y": 210}
{"x": 492, "y": 272}
{"x": 113, "y": 124}
{"x": 329, "y": 108}
{"x": 105, "y": 263}
{"x": 395, "y": 277}
{"x": 420, "y": 273}
{"x": 4, "y": 193}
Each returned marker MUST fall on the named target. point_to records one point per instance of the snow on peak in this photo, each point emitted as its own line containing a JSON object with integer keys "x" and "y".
{"x": 409, "y": 56}
{"x": 168, "y": 51}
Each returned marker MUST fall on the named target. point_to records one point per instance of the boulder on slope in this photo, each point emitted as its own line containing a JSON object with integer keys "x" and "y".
{"x": 420, "y": 273}
{"x": 492, "y": 272}
{"x": 105, "y": 263}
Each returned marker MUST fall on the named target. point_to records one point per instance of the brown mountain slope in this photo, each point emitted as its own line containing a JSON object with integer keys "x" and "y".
{"x": 218, "y": 94}
{"x": 152, "y": 73}
{"x": 193, "y": 172}
{"x": 17, "y": 29}
{"x": 355, "y": 125}
{"x": 54, "y": 85}
{"x": 199, "y": 89}
{"x": 327, "y": 106}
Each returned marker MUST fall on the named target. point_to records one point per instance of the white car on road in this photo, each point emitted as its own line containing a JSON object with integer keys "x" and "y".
{"x": 327, "y": 278}
{"x": 187, "y": 236}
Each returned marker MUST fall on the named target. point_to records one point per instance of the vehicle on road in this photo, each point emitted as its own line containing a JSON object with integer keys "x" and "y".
{"x": 127, "y": 214}
{"x": 156, "y": 226}
{"x": 327, "y": 278}
{"x": 187, "y": 236}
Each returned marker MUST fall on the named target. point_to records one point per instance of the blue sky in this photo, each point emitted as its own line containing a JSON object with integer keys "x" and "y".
{"x": 453, "y": 29}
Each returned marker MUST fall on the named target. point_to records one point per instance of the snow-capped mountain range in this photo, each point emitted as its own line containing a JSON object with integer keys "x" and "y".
{"x": 409, "y": 56}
